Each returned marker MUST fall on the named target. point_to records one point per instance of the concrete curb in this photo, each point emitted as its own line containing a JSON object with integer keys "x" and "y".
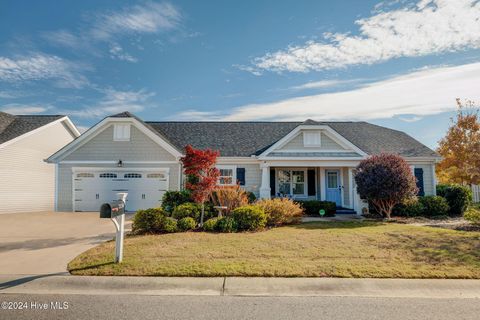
{"x": 233, "y": 286}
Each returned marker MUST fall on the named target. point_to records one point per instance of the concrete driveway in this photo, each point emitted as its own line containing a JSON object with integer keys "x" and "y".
{"x": 44, "y": 242}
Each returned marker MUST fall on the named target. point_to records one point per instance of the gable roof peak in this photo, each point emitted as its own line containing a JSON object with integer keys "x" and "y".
{"x": 124, "y": 114}
{"x": 310, "y": 122}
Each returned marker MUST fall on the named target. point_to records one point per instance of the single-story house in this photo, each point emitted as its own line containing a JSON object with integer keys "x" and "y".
{"x": 304, "y": 160}
{"x": 28, "y": 183}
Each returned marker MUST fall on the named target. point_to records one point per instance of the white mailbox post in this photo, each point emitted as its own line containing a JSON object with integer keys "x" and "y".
{"x": 116, "y": 212}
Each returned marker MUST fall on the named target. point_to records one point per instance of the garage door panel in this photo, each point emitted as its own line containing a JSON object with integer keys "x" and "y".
{"x": 145, "y": 189}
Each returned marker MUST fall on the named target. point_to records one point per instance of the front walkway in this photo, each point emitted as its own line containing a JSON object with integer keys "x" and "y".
{"x": 44, "y": 242}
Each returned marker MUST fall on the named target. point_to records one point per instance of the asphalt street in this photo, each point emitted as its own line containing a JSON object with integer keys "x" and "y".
{"x": 223, "y": 307}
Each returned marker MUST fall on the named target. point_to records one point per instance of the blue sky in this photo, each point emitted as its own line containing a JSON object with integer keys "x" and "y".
{"x": 395, "y": 63}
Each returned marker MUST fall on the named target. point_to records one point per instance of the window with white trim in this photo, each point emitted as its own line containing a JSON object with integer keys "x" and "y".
{"x": 85, "y": 175}
{"x": 227, "y": 175}
{"x": 156, "y": 176}
{"x": 312, "y": 139}
{"x": 121, "y": 132}
{"x": 132, "y": 175}
{"x": 108, "y": 175}
{"x": 292, "y": 182}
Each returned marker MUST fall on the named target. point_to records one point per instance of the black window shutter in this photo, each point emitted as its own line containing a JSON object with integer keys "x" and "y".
{"x": 272, "y": 182}
{"x": 241, "y": 176}
{"x": 311, "y": 182}
{"x": 419, "y": 176}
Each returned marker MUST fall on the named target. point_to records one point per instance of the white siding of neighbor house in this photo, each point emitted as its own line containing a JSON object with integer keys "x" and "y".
{"x": 65, "y": 179}
{"x": 297, "y": 143}
{"x": 103, "y": 148}
{"x": 253, "y": 177}
{"x": 346, "y": 188}
{"x": 28, "y": 183}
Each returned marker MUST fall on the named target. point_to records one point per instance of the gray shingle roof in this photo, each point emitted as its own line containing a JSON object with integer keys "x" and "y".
{"x": 12, "y": 126}
{"x": 243, "y": 139}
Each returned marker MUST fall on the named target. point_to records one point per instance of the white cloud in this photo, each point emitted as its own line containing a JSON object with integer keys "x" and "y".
{"x": 15, "y": 108}
{"x": 64, "y": 38}
{"x": 151, "y": 17}
{"x": 419, "y": 93}
{"x": 432, "y": 26}
{"x": 324, "y": 84}
{"x": 39, "y": 66}
{"x": 115, "y": 101}
{"x": 116, "y": 52}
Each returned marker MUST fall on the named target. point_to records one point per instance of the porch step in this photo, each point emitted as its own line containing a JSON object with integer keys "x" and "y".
{"x": 345, "y": 211}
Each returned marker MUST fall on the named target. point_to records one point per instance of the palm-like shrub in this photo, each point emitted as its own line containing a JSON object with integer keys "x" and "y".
{"x": 229, "y": 197}
{"x": 281, "y": 211}
{"x": 385, "y": 180}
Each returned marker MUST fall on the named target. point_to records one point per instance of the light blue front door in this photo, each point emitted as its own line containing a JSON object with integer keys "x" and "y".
{"x": 332, "y": 186}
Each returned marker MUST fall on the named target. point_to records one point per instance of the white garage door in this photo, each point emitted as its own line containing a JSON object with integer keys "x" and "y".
{"x": 93, "y": 188}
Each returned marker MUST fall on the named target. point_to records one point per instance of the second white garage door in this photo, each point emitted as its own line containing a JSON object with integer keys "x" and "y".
{"x": 93, "y": 188}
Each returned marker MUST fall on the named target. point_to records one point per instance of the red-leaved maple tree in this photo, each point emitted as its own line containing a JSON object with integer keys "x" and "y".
{"x": 202, "y": 176}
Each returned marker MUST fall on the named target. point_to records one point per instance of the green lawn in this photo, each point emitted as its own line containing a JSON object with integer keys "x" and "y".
{"x": 320, "y": 249}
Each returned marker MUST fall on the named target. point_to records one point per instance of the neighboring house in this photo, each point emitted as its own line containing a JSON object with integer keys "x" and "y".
{"x": 305, "y": 160}
{"x": 27, "y": 182}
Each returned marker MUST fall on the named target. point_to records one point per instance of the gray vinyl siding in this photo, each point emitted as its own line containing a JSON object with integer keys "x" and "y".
{"x": 65, "y": 179}
{"x": 297, "y": 143}
{"x": 28, "y": 183}
{"x": 103, "y": 148}
{"x": 428, "y": 177}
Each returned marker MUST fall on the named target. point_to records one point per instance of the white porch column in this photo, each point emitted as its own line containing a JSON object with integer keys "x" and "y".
{"x": 265, "y": 186}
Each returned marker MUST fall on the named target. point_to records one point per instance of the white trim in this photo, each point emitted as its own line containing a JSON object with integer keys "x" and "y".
{"x": 313, "y": 163}
{"x": 350, "y": 189}
{"x": 76, "y": 169}
{"x": 238, "y": 160}
{"x": 115, "y": 162}
{"x": 335, "y": 136}
{"x": 294, "y": 159}
{"x": 234, "y": 174}
{"x": 55, "y": 201}
{"x": 103, "y": 125}
{"x": 48, "y": 125}
{"x": 323, "y": 193}
{"x": 311, "y": 149}
{"x": 434, "y": 180}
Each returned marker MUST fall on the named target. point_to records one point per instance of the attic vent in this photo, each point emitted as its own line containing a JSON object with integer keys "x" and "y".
{"x": 121, "y": 132}
{"x": 311, "y": 138}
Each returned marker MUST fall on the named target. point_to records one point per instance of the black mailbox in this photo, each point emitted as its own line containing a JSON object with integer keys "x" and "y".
{"x": 112, "y": 209}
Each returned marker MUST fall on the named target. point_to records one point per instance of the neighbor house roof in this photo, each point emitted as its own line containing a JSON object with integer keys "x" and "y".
{"x": 244, "y": 139}
{"x": 13, "y": 126}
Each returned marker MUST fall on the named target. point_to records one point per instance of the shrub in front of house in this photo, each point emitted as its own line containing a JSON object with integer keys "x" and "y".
{"x": 169, "y": 225}
{"x": 434, "y": 206}
{"x": 148, "y": 221}
{"x": 385, "y": 180}
{"x": 409, "y": 208}
{"x": 472, "y": 214}
{"x": 185, "y": 224}
{"x": 281, "y": 211}
{"x": 313, "y": 207}
{"x": 172, "y": 199}
{"x": 251, "y": 197}
{"x": 210, "y": 224}
{"x": 249, "y": 218}
{"x": 189, "y": 209}
{"x": 226, "y": 225}
{"x": 458, "y": 197}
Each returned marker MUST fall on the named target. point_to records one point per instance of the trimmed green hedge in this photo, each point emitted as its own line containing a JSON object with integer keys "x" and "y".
{"x": 249, "y": 218}
{"x": 458, "y": 197}
{"x": 313, "y": 207}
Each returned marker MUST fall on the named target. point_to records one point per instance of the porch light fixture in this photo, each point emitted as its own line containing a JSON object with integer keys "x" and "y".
{"x": 119, "y": 163}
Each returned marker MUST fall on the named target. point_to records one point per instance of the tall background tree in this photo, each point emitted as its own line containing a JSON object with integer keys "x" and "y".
{"x": 460, "y": 148}
{"x": 202, "y": 176}
{"x": 385, "y": 180}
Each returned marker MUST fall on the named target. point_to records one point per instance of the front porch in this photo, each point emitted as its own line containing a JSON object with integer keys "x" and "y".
{"x": 323, "y": 183}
